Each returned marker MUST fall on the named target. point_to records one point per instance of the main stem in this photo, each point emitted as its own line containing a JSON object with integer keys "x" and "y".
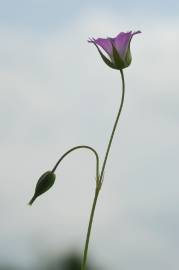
{"x": 114, "y": 127}
{"x": 99, "y": 184}
{"x": 83, "y": 266}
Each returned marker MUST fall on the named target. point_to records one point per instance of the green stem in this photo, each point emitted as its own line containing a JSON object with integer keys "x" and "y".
{"x": 99, "y": 184}
{"x": 79, "y": 147}
{"x": 83, "y": 266}
{"x": 114, "y": 127}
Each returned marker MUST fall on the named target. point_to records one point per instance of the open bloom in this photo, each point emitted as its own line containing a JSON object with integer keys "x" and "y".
{"x": 118, "y": 49}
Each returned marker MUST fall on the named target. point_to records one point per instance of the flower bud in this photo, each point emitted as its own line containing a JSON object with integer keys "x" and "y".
{"x": 44, "y": 183}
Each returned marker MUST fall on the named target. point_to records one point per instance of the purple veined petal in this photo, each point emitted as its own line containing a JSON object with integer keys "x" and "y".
{"x": 104, "y": 43}
{"x": 105, "y": 59}
{"x": 122, "y": 41}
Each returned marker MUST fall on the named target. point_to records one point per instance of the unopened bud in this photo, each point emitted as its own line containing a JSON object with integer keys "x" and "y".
{"x": 44, "y": 183}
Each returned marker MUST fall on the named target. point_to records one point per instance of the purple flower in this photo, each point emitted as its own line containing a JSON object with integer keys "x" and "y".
{"x": 118, "y": 49}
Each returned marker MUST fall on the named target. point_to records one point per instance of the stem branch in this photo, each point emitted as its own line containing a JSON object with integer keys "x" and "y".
{"x": 79, "y": 147}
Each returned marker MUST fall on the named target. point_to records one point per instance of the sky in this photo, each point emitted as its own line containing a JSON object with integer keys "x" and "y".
{"x": 57, "y": 93}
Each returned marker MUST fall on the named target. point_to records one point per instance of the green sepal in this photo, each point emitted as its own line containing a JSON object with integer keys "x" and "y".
{"x": 119, "y": 63}
{"x": 105, "y": 59}
{"x": 128, "y": 58}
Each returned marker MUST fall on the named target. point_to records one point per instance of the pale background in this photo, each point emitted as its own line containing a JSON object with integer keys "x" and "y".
{"x": 57, "y": 93}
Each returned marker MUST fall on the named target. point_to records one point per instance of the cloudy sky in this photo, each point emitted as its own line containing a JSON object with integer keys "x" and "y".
{"x": 57, "y": 93}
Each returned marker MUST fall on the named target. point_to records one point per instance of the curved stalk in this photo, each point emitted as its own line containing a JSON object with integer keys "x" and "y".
{"x": 79, "y": 147}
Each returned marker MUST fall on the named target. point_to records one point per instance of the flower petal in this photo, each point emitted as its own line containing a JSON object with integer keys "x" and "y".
{"x": 105, "y": 59}
{"x": 104, "y": 43}
{"x": 122, "y": 41}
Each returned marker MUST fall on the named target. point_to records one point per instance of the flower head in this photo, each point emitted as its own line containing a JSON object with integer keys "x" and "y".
{"x": 118, "y": 49}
